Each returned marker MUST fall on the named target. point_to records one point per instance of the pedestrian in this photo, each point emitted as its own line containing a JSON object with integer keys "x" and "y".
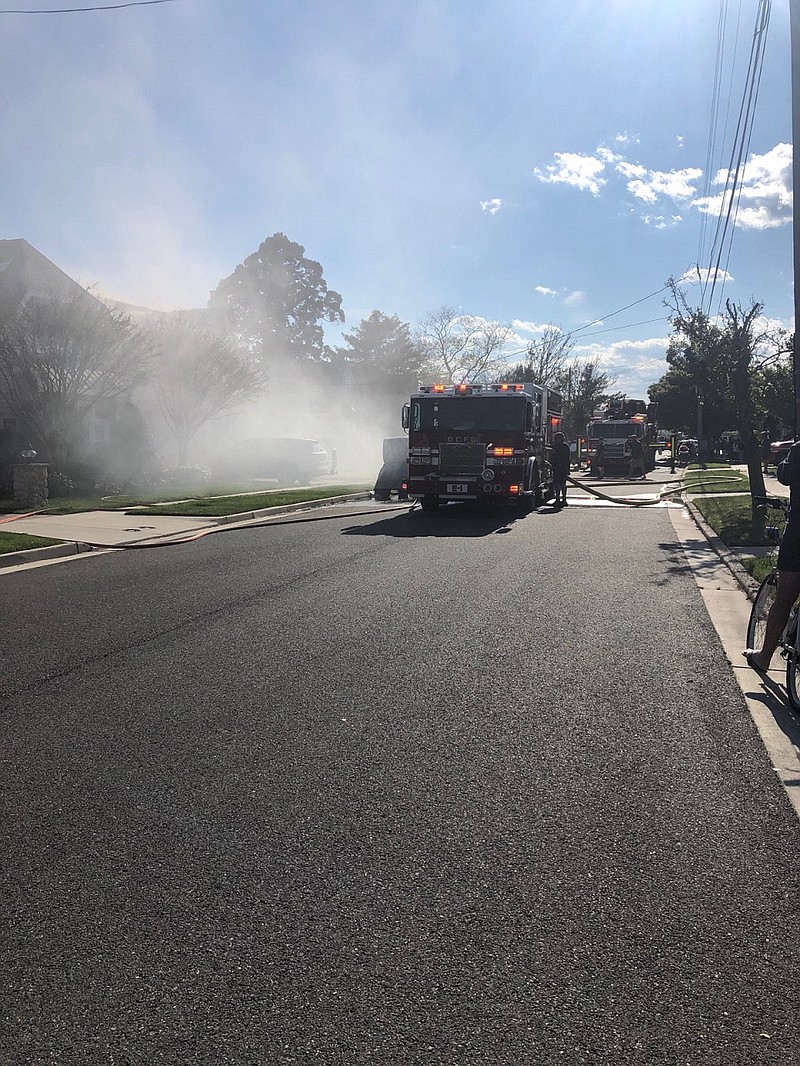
{"x": 635, "y": 450}
{"x": 766, "y": 451}
{"x": 599, "y": 459}
{"x": 788, "y": 473}
{"x": 560, "y": 461}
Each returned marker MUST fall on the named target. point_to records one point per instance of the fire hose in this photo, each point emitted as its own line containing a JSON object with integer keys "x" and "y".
{"x": 282, "y": 520}
{"x": 663, "y": 494}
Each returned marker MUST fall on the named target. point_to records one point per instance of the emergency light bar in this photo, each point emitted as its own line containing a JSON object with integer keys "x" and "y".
{"x": 468, "y": 390}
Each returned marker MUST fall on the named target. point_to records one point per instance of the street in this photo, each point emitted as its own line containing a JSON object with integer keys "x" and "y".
{"x": 451, "y": 788}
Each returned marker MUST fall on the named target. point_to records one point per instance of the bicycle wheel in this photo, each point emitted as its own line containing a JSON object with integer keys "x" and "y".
{"x": 758, "y": 615}
{"x": 793, "y": 670}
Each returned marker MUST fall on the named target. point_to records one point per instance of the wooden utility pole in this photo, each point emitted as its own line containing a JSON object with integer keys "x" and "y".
{"x": 794, "y": 23}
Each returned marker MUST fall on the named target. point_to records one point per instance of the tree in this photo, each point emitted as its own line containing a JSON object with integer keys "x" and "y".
{"x": 587, "y": 386}
{"x": 774, "y": 395}
{"x": 459, "y": 348}
{"x": 382, "y": 352}
{"x": 274, "y": 303}
{"x": 61, "y": 357}
{"x": 201, "y": 376}
{"x": 723, "y": 361}
{"x": 546, "y": 362}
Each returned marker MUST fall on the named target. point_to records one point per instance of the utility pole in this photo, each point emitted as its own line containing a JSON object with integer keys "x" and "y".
{"x": 794, "y": 24}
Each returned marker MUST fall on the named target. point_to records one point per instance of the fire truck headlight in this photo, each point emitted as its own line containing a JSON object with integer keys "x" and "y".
{"x": 488, "y": 474}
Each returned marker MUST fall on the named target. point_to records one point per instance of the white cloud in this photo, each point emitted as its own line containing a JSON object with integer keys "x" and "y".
{"x": 574, "y": 298}
{"x": 702, "y": 275}
{"x": 624, "y": 139}
{"x": 680, "y": 141}
{"x": 534, "y": 327}
{"x": 544, "y": 291}
{"x": 765, "y": 191}
{"x": 649, "y": 185}
{"x": 634, "y": 365}
{"x": 491, "y": 207}
{"x": 764, "y": 195}
{"x": 572, "y": 168}
{"x": 662, "y": 221}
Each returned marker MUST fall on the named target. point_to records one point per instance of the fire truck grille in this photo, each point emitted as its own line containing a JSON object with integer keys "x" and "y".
{"x": 458, "y": 459}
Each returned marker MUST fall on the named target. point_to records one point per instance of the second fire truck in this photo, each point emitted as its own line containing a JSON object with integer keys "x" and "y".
{"x": 615, "y": 424}
{"x": 481, "y": 442}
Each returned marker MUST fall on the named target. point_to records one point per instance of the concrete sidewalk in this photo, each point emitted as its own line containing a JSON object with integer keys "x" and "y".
{"x": 107, "y": 530}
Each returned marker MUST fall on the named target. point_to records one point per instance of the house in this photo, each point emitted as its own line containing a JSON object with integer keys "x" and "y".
{"x": 26, "y": 274}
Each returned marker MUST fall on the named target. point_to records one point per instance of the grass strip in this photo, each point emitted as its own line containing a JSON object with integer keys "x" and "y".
{"x": 217, "y": 506}
{"x": 714, "y": 479}
{"x": 248, "y": 500}
{"x": 20, "y": 542}
{"x": 758, "y": 566}
{"x": 731, "y": 518}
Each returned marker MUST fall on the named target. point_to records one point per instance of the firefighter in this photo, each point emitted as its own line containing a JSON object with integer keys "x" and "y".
{"x": 560, "y": 464}
{"x": 636, "y": 452}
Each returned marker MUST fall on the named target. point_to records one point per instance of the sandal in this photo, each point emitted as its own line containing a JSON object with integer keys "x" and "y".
{"x": 749, "y": 655}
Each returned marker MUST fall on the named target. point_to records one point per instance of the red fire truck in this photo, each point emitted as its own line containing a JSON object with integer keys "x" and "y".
{"x": 481, "y": 442}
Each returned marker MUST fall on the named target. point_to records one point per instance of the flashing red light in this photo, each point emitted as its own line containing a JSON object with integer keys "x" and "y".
{"x": 438, "y": 388}
{"x": 513, "y": 488}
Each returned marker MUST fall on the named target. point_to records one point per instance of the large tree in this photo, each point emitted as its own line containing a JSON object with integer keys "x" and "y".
{"x": 381, "y": 353}
{"x": 720, "y": 364}
{"x": 275, "y": 301}
{"x": 61, "y": 357}
{"x": 460, "y": 348}
{"x": 586, "y": 388}
{"x": 201, "y": 376}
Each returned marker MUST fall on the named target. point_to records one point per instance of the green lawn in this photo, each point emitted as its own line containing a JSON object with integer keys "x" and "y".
{"x": 227, "y": 505}
{"x": 731, "y": 519}
{"x": 190, "y": 501}
{"x": 717, "y": 477}
{"x": 20, "y": 542}
{"x": 758, "y": 566}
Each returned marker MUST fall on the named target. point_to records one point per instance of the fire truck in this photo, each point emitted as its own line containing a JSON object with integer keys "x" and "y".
{"x": 481, "y": 442}
{"x": 620, "y": 419}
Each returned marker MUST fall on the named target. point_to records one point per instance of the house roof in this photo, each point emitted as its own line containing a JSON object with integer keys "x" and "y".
{"x": 25, "y": 272}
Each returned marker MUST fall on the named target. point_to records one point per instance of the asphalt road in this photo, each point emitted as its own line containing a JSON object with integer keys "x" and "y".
{"x": 401, "y": 788}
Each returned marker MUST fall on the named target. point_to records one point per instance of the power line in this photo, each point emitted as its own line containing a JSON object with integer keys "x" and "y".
{"x": 72, "y": 10}
{"x": 603, "y": 318}
{"x": 732, "y": 192}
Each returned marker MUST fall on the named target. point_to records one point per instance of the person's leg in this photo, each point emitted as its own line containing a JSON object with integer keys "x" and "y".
{"x": 787, "y": 592}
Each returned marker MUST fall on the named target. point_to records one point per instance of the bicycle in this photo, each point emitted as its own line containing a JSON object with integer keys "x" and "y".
{"x": 789, "y": 643}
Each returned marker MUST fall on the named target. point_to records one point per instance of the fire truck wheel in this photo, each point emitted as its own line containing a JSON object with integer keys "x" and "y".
{"x": 430, "y": 503}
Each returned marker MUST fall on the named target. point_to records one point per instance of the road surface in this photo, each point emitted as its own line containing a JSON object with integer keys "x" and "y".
{"x": 397, "y": 788}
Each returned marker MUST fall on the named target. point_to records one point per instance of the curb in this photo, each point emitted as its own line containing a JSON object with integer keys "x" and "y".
{"x": 69, "y": 548}
{"x": 745, "y": 581}
{"x": 53, "y": 551}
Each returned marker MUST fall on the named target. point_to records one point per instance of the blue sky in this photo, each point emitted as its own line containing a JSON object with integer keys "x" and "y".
{"x": 530, "y": 162}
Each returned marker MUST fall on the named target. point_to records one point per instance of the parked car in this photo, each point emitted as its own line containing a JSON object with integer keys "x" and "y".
{"x": 287, "y": 460}
{"x": 393, "y": 475}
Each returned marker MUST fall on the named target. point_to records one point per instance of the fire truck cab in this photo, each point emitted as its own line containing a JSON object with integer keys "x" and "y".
{"x": 481, "y": 442}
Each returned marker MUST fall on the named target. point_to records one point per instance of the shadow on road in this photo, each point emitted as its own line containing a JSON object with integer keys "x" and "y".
{"x": 774, "y": 700}
{"x": 676, "y": 561}
{"x": 451, "y": 520}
